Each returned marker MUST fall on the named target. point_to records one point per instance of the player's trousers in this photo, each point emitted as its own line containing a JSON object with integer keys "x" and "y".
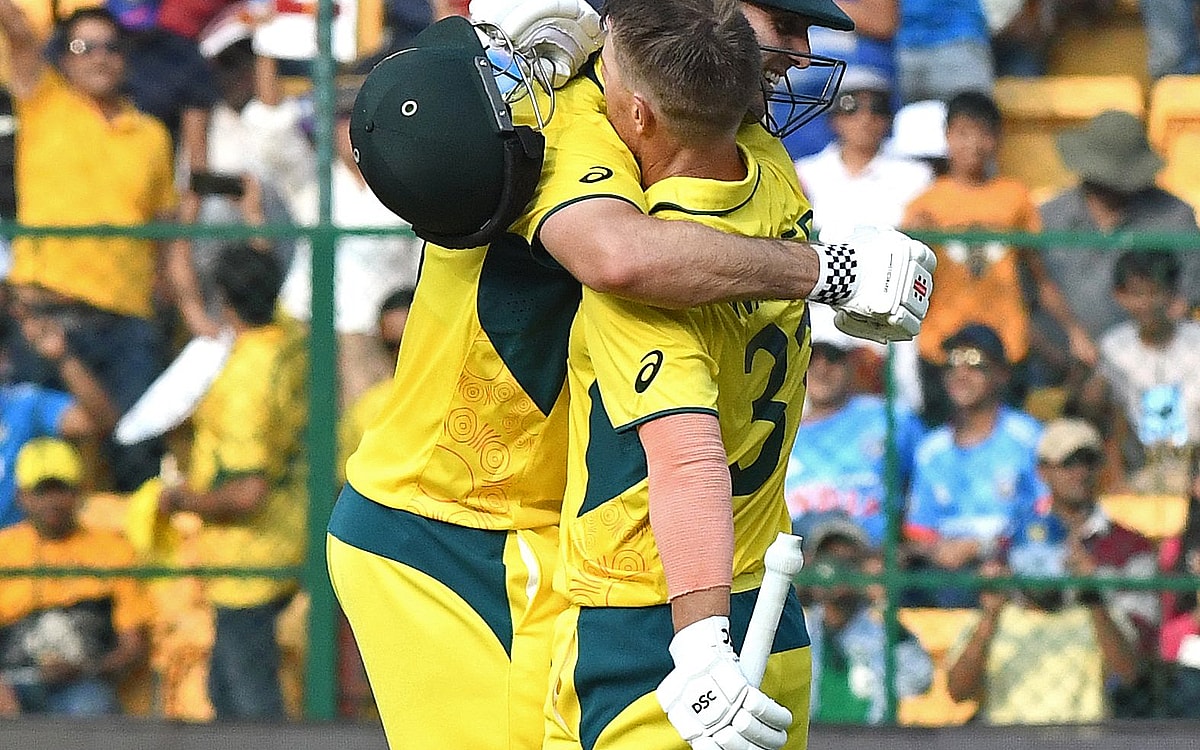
{"x": 608, "y": 661}
{"x": 454, "y": 624}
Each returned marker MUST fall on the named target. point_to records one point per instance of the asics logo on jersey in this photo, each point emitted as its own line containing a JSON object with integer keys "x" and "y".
{"x": 596, "y": 174}
{"x": 649, "y": 370}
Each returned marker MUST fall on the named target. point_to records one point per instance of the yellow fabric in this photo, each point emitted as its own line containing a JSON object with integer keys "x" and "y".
{"x": 41, "y": 12}
{"x": 1042, "y": 668}
{"x": 357, "y": 418}
{"x": 630, "y": 363}
{"x": 251, "y": 422}
{"x": 975, "y": 283}
{"x": 472, "y": 695}
{"x": 21, "y": 547}
{"x": 46, "y": 458}
{"x": 641, "y": 724}
{"x": 74, "y": 167}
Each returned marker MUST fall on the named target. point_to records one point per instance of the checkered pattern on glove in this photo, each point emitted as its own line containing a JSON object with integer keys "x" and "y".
{"x": 839, "y": 274}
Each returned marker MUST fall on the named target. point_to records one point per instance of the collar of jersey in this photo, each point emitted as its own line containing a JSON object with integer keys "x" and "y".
{"x": 704, "y": 197}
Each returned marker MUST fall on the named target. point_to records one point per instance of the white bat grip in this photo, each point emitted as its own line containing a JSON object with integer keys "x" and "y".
{"x": 783, "y": 562}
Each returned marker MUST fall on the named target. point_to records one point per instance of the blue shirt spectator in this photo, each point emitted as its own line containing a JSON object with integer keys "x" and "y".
{"x": 839, "y": 462}
{"x": 973, "y": 491}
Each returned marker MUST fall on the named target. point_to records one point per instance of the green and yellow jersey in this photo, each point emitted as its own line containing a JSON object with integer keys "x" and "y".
{"x": 251, "y": 422}
{"x": 630, "y": 363}
{"x": 475, "y": 431}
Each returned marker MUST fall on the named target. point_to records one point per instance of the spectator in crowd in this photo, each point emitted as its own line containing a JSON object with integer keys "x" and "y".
{"x": 1021, "y": 32}
{"x": 847, "y": 632}
{"x": 1045, "y": 656}
{"x": 1150, "y": 366}
{"x": 166, "y": 77}
{"x": 1179, "y": 640}
{"x": 867, "y": 48}
{"x": 1117, "y": 192}
{"x": 393, "y": 316}
{"x": 244, "y": 190}
{"x": 981, "y": 282}
{"x": 86, "y": 156}
{"x": 28, "y": 411}
{"x": 972, "y": 474}
{"x": 852, "y": 181}
{"x": 246, "y": 481}
{"x": 1172, "y": 37}
{"x": 1070, "y": 457}
{"x": 839, "y": 459}
{"x": 942, "y": 48}
{"x": 65, "y": 643}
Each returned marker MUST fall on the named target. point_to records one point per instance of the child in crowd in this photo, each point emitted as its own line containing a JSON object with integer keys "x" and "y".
{"x": 980, "y": 282}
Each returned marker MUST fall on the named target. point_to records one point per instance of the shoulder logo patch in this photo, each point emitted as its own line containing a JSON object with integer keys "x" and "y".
{"x": 649, "y": 370}
{"x": 596, "y": 174}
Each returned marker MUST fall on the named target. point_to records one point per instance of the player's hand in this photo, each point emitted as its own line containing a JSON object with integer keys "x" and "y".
{"x": 709, "y": 701}
{"x": 878, "y": 281}
{"x": 557, "y": 35}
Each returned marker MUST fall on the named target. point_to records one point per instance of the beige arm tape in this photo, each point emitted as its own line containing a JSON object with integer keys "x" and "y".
{"x": 691, "y": 506}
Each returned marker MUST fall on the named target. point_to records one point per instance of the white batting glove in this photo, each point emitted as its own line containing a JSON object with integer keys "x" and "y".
{"x": 878, "y": 281}
{"x": 708, "y": 700}
{"x": 558, "y": 35}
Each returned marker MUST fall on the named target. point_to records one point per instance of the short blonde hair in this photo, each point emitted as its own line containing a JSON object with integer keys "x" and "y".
{"x": 697, "y": 61}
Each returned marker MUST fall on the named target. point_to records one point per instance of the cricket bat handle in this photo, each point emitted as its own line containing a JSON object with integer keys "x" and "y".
{"x": 783, "y": 563}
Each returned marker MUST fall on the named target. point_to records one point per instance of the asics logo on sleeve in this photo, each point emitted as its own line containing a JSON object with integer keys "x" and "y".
{"x": 649, "y": 370}
{"x": 596, "y": 174}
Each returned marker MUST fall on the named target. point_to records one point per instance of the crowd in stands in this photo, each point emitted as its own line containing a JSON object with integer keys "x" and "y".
{"x": 1044, "y": 425}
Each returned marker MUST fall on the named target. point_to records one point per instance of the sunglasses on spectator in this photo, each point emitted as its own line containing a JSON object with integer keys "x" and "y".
{"x": 967, "y": 358}
{"x": 848, "y": 104}
{"x": 88, "y": 46}
{"x": 1085, "y": 457}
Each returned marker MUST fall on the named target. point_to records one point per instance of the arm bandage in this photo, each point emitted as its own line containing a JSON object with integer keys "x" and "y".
{"x": 691, "y": 506}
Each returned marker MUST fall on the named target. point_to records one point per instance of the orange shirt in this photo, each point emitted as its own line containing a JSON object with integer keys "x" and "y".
{"x": 75, "y": 167}
{"x": 975, "y": 283}
{"x": 20, "y": 546}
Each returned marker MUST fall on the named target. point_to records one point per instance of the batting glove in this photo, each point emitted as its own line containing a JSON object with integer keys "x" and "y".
{"x": 878, "y": 281}
{"x": 557, "y": 35}
{"x": 708, "y": 700}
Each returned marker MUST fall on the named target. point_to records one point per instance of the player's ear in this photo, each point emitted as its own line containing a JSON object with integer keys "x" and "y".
{"x": 643, "y": 114}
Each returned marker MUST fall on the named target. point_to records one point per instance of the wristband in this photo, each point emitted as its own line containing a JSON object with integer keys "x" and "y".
{"x": 837, "y": 275}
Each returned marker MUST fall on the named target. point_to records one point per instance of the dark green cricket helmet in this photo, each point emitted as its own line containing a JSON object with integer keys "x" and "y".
{"x": 434, "y": 139}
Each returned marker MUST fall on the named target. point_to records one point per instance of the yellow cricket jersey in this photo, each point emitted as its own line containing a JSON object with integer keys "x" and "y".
{"x": 21, "y": 546}
{"x": 631, "y": 363}
{"x": 76, "y": 167}
{"x": 252, "y": 421}
{"x": 475, "y": 431}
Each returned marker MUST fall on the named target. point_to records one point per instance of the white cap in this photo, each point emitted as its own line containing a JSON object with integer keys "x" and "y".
{"x": 919, "y": 131}
{"x": 231, "y": 26}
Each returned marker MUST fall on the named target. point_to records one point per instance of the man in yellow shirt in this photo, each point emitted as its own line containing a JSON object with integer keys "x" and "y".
{"x": 86, "y": 156}
{"x": 65, "y": 642}
{"x": 246, "y": 481}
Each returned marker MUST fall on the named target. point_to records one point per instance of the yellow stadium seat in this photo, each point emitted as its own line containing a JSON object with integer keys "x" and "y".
{"x": 1114, "y": 44}
{"x": 1173, "y": 124}
{"x": 1035, "y": 110}
{"x": 937, "y": 630}
{"x": 1153, "y": 516}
